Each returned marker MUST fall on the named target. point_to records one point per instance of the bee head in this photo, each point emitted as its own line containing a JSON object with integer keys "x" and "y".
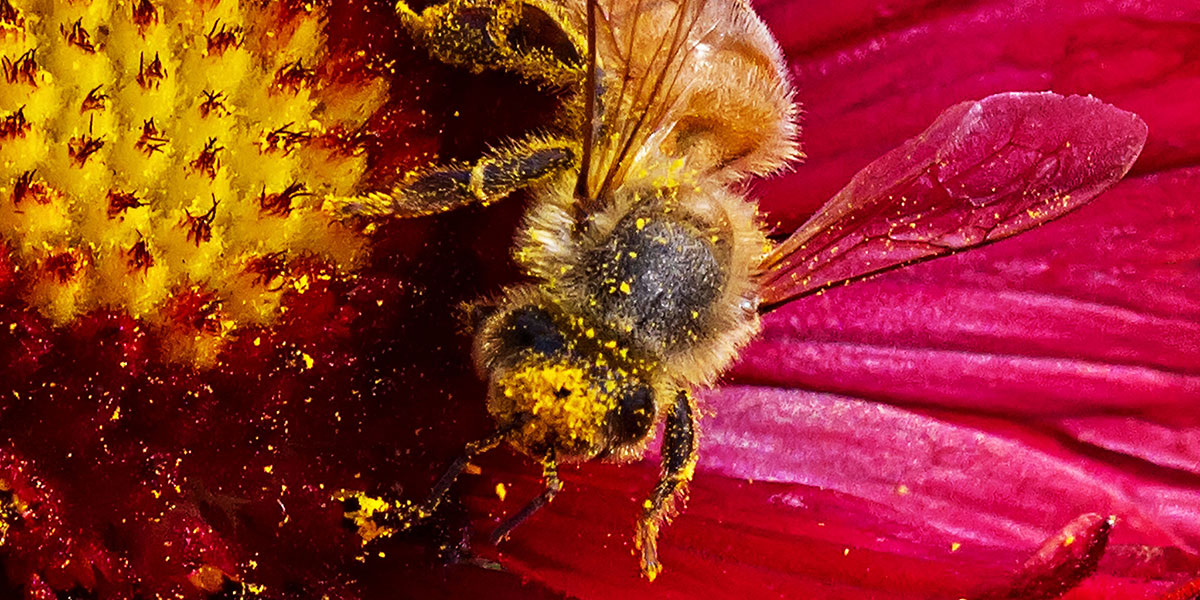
{"x": 557, "y": 390}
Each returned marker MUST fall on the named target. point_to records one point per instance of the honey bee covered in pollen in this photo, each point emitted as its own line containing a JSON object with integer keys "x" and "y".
{"x": 646, "y": 266}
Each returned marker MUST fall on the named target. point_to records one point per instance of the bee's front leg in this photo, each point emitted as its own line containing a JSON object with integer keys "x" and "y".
{"x": 552, "y": 484}
{"x": 678, "y": 465}
{"x": 444, "y": 188}
{"x": 376, "y": 517}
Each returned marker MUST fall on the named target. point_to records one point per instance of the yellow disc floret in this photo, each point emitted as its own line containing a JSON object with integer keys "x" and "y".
{"x": 153, "y": 148}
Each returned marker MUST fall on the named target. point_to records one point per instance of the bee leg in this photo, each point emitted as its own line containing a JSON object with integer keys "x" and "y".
{"x": 499, "y": 173}
{"x": 456, "y": 468}
{"x": 375, "y": 517}
{"x": 678, "y": 465}
{"x": 553, "y": 486}
{"x": 503, "y": 35}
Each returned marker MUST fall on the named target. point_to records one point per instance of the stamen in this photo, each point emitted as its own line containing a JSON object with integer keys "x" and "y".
{"x": 280, "y": 204}
{"x": 95, "y": 100}
{"x": 206, "y": 162}
{"x": 293, "y": 76}
{"x": 82, "y": 147}
{"x": 200, "y": 228}
{"x": 151, "y": 140}
{"x": 23, "y": 69}
{"x": 213, "y": 101}
{"x": 144, "y": 15}
{"x": 138, "y": 257}
{"x": 14, "y": 125}
{"x": 63, "y": 266}
{"x": 119, "y": 202}
{"x": 149, "y": 75}
{"x": 220, "y": 40}
{"x": 78, "y": 36}
{"x": 267, "y": 268}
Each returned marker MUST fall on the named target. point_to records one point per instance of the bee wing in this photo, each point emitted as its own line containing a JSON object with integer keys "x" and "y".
{"x": 982, "y": 172}
{"x": 643, "y": 47}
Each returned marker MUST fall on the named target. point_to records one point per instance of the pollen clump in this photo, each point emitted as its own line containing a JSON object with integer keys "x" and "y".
{"x": 563, "y": 401}
{"x": 169, "y": 159}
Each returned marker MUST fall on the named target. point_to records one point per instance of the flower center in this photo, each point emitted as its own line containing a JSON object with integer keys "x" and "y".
{"x": 169, "y": 160}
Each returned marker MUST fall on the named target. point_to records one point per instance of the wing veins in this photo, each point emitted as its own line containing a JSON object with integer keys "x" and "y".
{"x": 631, "y": 134}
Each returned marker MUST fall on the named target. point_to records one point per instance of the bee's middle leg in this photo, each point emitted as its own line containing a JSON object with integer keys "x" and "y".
{"x": 445, "y": 188}
{"x": 679, "y": 450}
{"x": 480, "y": 35}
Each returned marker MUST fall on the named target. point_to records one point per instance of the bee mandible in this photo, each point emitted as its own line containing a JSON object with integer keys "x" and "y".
{"x": 647, "y": 266}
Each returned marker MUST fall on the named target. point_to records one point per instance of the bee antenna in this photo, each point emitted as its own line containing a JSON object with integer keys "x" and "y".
{"x": 589, "y": 124}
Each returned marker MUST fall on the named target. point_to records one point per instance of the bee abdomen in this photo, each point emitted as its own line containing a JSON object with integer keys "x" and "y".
{"x": 654, "y": 282}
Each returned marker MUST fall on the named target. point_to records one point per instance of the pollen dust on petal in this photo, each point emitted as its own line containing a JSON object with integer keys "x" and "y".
{"x": 169, "y": 159}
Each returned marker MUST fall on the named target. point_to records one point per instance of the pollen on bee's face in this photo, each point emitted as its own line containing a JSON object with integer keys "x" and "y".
{"x": 170, "y": 159}
{"x": 563, "y": 408}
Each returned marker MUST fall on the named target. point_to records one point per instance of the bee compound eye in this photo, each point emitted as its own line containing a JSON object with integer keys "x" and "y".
{"x": 635, "y": 414}
{"x": 532, "y": 328}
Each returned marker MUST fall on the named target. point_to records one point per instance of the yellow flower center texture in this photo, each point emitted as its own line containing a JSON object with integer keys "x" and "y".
{"x": 154, "y": 153}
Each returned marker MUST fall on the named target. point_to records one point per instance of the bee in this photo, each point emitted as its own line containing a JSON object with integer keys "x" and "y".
{"x": 647, "y": 267}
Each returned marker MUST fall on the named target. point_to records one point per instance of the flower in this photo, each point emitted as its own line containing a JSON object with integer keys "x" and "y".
{"x": 918, "y": 435}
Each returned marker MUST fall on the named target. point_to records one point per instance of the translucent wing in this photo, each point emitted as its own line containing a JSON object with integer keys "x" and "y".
{"x": 645, "y": 47}
{"x": 982, "y": 172}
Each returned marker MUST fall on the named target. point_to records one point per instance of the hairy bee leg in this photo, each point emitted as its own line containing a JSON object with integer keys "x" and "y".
{"x": 553, "y": 486}
{"x": 445, "y": 188}
{"x": 678, "y": 465}
{"x": 483, "y": 35}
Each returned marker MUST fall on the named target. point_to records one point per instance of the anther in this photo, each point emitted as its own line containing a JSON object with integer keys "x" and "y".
{"x": 78, "y": 36}
{"x": 280, "y": 204}
{"x": 10, "y": 16}
{"x": 206, "y": 161}
{"x": 150, "y": 74}
{"x": 283, "y": 139}
{"x": 200, "y": 228}
{"x": 224, "y": 38}
{"x": 144, "y": 15}
{"x": 23, "y": 69}
{"x": 151, "y": 140}
{"x": 63, "y": 266}
{"x": 293, "y": 76}
{"x": 14, "y": 125}
{"x": 95, "y": 100}
{"x": 213, "y": 101}
{"x": 138, "y": 257}
{"x": 119, "y": 202}
{"x": 268, "y": 268}
{"x": 81, "y": 148}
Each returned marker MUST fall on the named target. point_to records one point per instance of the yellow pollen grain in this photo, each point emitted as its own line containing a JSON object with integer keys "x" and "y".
{"x": 501, "y": 492}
